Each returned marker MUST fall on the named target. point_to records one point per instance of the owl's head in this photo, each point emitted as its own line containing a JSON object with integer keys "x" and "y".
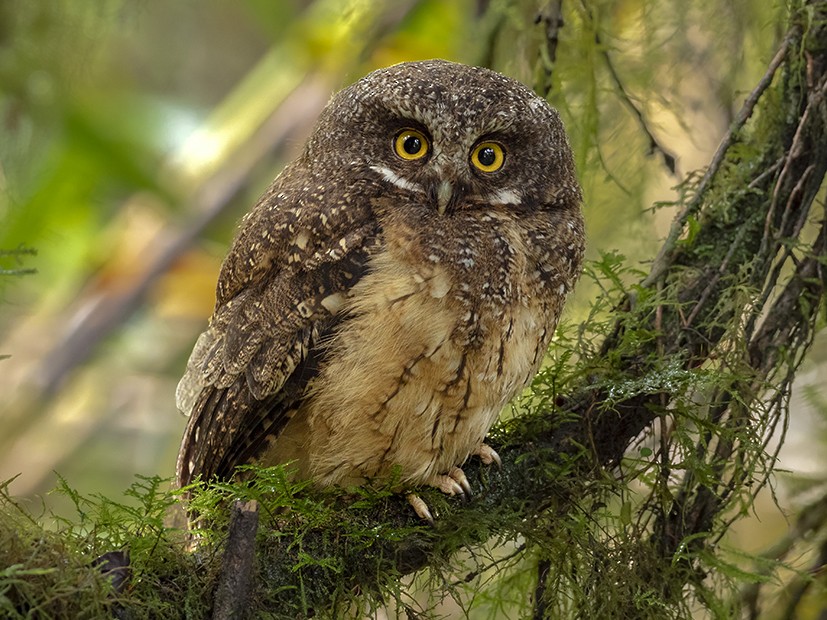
{"x": 450, "y": 136}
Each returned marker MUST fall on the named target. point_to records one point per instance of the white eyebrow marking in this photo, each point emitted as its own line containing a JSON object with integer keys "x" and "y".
{"x": 390, "y": 176}
{"x": 506, "y": 197}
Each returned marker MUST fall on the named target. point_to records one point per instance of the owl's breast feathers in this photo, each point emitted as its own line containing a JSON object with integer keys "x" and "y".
{"x": 428, "y": 357}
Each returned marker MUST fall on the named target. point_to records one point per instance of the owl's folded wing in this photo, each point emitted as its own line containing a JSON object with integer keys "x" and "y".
{"x": 280, "y": 293}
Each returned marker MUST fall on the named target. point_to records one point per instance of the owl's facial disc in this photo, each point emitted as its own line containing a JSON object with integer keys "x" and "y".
{"x": 447, "y": 176}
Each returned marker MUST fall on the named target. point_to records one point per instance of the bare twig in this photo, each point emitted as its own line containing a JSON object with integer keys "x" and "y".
{"x": 669, "y": 159}
{"x": 540, "y": 603}
{"x": 551, "y": 15}
{"x": 232, "y": 595}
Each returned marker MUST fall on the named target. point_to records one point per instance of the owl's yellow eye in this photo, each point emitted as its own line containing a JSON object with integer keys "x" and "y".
{"x": 488, "y": 157}
{"x": 410, "y": 144}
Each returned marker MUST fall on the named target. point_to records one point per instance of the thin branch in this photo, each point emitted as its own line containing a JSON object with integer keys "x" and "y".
{"x": 800, "y": 143}
{"x": 669, "y": 158}
{"x": 664, "y": 257}
{"x": 540, "y": 603}
{"x": 487, "y": 567}
{"x": 551, "y": 16}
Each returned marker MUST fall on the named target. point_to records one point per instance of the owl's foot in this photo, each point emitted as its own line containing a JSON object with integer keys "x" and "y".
{"x": 420, "y": 507}
{"x": 455, "y": 482}
{"x": 488, "y": 455}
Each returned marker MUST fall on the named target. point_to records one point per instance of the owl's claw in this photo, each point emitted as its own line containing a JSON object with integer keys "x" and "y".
{"x": 488, "y": 455}
{"x": 459, "y": 477}
{"x": 420, "y": 507}
{"x": 455, "y": 482}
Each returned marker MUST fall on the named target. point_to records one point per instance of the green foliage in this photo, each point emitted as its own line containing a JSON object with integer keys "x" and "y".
{"x": 17, "y": 255}
{"x": 596, "y": 549}
{"x": 50, "y": 571}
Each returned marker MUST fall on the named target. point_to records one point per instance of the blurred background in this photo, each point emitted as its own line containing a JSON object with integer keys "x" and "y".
{"x": 135, "y": 133}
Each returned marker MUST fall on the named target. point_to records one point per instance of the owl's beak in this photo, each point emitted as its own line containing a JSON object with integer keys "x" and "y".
{"x": 444, "y": 193}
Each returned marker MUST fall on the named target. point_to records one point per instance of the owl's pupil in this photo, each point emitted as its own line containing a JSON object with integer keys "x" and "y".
{"x": 412, "y": 145}
{"x": 487, "y": 156}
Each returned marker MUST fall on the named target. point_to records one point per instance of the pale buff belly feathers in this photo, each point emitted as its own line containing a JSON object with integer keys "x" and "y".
{"x": 405, "y": 388}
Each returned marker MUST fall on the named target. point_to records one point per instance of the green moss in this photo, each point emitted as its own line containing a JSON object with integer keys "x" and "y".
{"x": 50, "y": 564}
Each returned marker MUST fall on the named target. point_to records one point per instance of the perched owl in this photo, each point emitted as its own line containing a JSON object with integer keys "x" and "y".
{"x": 394, "y": 287}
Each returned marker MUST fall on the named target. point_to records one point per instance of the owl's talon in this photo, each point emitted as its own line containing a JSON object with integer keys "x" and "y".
{"x": 420, "y": 507}
{"x": 449, "y": 486}
{"x": 460, "y": 478}
{"x": 488, "y": 455}
{"x": 455, "y": 482}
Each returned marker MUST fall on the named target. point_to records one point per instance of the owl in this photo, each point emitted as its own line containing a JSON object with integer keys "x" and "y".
{"x": 393, "y": 289}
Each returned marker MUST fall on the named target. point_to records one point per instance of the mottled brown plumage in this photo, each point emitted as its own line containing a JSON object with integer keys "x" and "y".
{"x": 381, "y": 304}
